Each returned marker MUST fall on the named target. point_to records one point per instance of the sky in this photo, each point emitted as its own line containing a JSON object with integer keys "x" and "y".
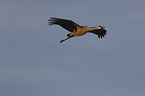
{"x": 34, "y": 63}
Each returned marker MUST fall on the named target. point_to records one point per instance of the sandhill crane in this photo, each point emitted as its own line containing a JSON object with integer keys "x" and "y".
{"x": 75, "y": 29}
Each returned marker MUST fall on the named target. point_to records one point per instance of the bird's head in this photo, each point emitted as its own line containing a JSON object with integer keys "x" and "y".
{"x": 99, "y": 27}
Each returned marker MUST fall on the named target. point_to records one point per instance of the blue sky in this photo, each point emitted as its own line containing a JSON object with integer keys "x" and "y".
{"x": 34, "y": 63}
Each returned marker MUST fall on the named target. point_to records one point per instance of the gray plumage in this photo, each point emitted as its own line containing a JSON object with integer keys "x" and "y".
{"x": 76, "y": 29}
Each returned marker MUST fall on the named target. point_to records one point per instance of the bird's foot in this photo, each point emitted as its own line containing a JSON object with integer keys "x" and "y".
{"x": 62, "y": 41}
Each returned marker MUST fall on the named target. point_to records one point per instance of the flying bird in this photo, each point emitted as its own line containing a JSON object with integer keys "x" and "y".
{"x": 76, "y": 29}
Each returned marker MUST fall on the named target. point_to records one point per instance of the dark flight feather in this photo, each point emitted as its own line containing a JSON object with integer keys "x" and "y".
{"x": 100, "y": 32}
{"x": 67, "y": 24}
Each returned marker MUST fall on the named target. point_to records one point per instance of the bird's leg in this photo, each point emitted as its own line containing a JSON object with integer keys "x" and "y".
{"x": 64, "y": 39}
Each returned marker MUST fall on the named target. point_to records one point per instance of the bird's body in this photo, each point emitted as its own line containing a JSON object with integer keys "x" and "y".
{"x": 81, "y": 30}
{"x": 75, "y": 29}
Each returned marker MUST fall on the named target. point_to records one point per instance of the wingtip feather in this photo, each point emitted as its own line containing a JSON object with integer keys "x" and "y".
{"x": 52, "y": 21}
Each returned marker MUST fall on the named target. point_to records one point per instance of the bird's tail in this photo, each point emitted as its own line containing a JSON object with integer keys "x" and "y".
{"x": 52, "y": 20}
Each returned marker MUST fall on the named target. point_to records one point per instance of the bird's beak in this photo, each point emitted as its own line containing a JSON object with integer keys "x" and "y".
{"x": 103, "y": 27}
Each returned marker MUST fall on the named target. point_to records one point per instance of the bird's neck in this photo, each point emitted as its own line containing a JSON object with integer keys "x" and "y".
{"x": 96, "y": 28}
{"x": 88, "y": 28}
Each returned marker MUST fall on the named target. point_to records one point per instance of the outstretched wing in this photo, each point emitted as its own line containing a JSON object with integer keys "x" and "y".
{"x": 100, "y": 32}
{"x": 67, "y": 24}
